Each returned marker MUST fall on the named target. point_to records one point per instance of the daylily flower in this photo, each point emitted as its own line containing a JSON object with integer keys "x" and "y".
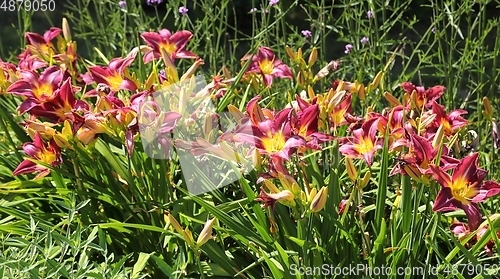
{"x": 38, "y": 89}
{"x": 173, "y": 44}
{"x": 417, "y": 161}
{"x": 305, "y": 124}
{"x": 268, "y": 65}
{"x": 270, "y": 200}
{"x": 46, "y": 130}
{"x": 8, "y": 75}
{"x": 490, "y": 244}
{"x": 44, "y": 101}
{"x": 464, "y": 189}
{"x": 91, "y": 126}
{"x": 452, "y": 122}
{"x": 30, "y": 62}
{"x": 422, "y": 96}
{"x": 115, "y": 75}
{"x": 337, "y": 113}
{"x": 42, "y": 45}
{"x": 270, "y": 133}
{"x": 155, "y": 127}
{"x": 395, "y": 125}
{"x": 462, "y": 230}
{"x": 364, "y": 142}
{"x": 39, "y": 150}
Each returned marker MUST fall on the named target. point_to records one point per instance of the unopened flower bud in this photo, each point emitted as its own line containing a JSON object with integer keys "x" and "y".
{"x": 206, "y": 233}
{"x": 66, "y": 30}
{"x": 393, "y": 101}
{"x": 319, "y": 200}
{"x": 376, "y": 81}
{"x": 290, "y": 53}
{"x": 366, "y": 179}
{"x": 313, "y": 57}
{"x": 488, "y": 110}
{"x": 438, "y": 138}
{"x": 351, "y": 169}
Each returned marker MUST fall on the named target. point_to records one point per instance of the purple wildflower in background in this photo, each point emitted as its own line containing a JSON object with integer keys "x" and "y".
{"x": 265, "y": 11}
{"x": 306, "y": 33}
{"x": 348, "y": 48}
{"x": 369, "y": 14}
{"x": 364, "y": 40}
{"x": 153, "y": 2}
{"x": 273, "y": 2}
{"x": 253, "y": 10}
{"x": 122, "y": 4}
{"x": 183, "y": 10}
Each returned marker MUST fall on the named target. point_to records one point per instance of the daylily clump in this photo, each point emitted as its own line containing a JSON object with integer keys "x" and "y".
{"x": 67, "y": 108}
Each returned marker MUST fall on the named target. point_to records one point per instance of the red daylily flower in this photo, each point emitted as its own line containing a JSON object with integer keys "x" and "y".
{"x": 39, "y": 150}
{"x": 62, "y": 106}
{"x": 156, "y": 127}
{"x": 115, "y": 75}
{"x": 305, "y": 125}
{"x": 490, "y": 244}
{"x": 423, "y": 96}
{"x": 452, "y": 122}
{"x": 364, "y": 142}
{"x": 173, "y": 44}
{"x": 337, "y": 114}
{"x": 395, "y": 126}
{"x": 416, "y": 163}
{"x": 464, "y": 189}
{"x": 268, "y": 65}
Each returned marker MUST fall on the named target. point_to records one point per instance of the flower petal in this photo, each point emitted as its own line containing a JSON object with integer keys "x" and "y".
{"x": 488, "y": 189}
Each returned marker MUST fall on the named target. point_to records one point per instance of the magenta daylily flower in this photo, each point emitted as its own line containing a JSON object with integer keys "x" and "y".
{"x": 42, "y": 46}
{"x": 172, "y": 44}
{"x": 464, "y": 189}
{"x": 115, "y": 75}
{"x": 30, "y": 62}
{"x": 39, "y": 150}
{"x": 268, "y": 65}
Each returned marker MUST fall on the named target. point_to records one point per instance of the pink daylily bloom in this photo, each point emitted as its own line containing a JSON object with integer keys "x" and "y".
{"x": 173, "y": 44}
{"x": 268, "y": 65}
{"x": 364, "y": 142}
{"x": 114, "y": 75}
{"x": 270, "y": 133}
{"x": 464, "y": 189}
{"x": 39, "y": 150}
